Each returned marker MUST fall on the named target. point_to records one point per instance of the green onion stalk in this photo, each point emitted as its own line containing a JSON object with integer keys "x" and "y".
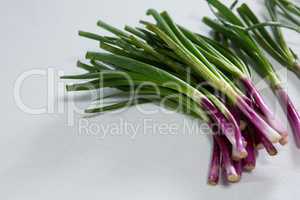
{"x": 181, "y": 45}
{"x": 232, "y": 28}
{"x": 225, "y": 123}
{"x": 230, "y": 63}
{"x": 289, "y": 10}
{"x": 274, "y": 43}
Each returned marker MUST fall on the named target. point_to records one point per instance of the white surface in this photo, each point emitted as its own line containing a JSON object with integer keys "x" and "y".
{"x": 44, "y": 158}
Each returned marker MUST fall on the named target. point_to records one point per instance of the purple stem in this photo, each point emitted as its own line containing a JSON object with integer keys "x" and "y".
{"x": 229, "y": 129}
{"x": 251, "y": 103}
{"x": 257, "y": 121}
{"x": 250, "y": 161}
{"x": 292, "y": 113}
{"x": 214, "y": 171}
{"x": 236, "y": 115}
{"x": 235, "y": 120}
{"x": 270, "y": 148}
{"x": 238, "y": 168}
{"x": 263, "y": 108}
{"x": 227, "y": 163}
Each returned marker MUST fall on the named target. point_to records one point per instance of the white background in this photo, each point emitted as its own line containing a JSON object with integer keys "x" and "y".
{"x": 44, "y": 158}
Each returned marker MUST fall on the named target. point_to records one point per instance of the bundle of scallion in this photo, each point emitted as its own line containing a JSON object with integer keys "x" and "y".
{"x": 190, "y": 73}
{"x": 232, "y": 27}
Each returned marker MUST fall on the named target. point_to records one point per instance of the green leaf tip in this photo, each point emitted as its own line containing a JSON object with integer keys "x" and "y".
{"x": 152, "y": 11}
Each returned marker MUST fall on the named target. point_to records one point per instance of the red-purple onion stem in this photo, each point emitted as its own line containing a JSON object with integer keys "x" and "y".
{"x": 238, "y": 168}
{"x": 263, "y": 108}
{"x": 257, "y": 121}
{"x": 249, "y": 162}
{"x": 240, "y": 123}
{"x": 291, "y": 111}
{"x": 265, "y": 142}
{"x": 229, "y": 129}
{"x": 227, "y": 164}
{"x": 214, "y": 170}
